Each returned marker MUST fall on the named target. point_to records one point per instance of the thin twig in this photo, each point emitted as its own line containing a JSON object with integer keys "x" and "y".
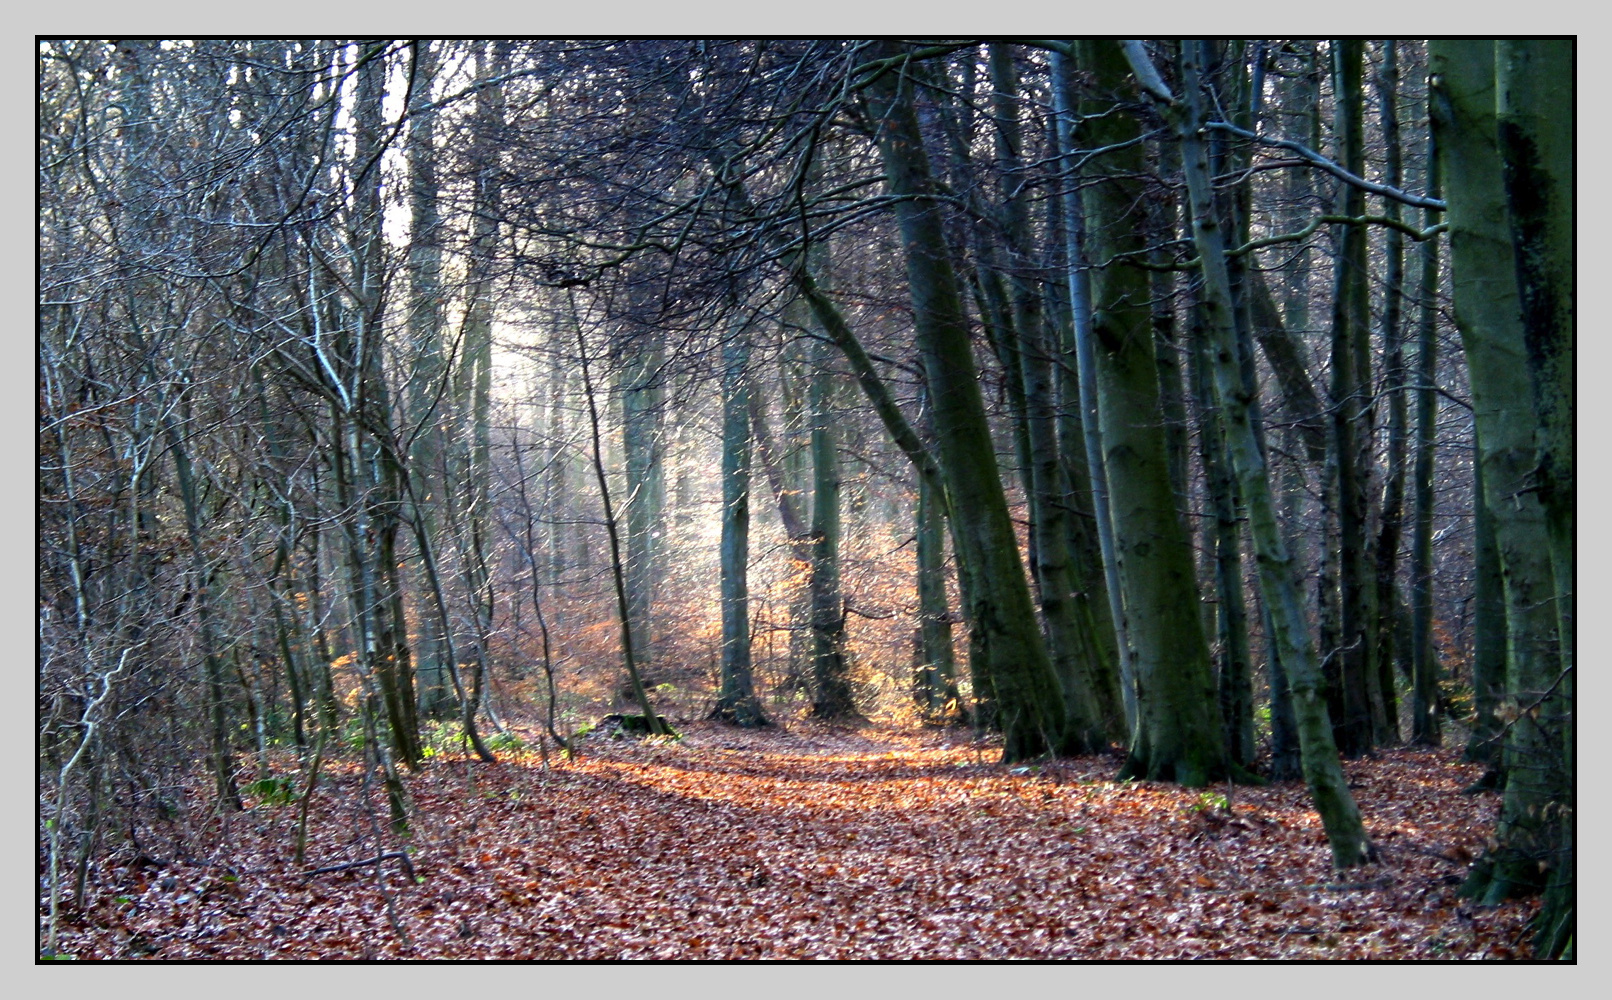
{"x": 408, "y": 866}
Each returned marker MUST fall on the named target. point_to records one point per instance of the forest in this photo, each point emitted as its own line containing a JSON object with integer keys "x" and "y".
{"x": 781, "y": 499}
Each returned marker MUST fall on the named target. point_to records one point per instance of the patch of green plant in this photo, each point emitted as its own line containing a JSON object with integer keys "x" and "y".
{"x": 272, "y": 791}
{"x": 1212, "y": 802}
{"x": 505, "y": 741}
{"x": 437, "y": 737}
{"x": 352, "y": 732}
{"x": 1456, "y": 697}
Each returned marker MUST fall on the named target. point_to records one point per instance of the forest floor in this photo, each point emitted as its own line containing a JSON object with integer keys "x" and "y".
{"x": 811, "y": 841}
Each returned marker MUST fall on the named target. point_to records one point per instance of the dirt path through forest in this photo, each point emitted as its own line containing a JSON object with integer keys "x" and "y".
{"x": 817, "y": 842}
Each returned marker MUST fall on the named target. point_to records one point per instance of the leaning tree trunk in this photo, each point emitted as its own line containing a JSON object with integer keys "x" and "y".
{"x": 1014, "y": 675}
{"x": 1340, "y": 817}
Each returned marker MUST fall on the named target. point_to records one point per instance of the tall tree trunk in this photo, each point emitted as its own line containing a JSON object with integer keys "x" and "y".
{"x": 794, "y": 480}
{"x": 1385, "y": 628}
{"x": 736, "y": 700}
{"x": 1085, "y": 549}
{"x": 1488, "y": 636}
{"x": 1235, "y": 681}
{"x": 1073, "y": 648}
{"x": 1534, "y": 85}
{"x": 557, "y": 486}
{"x": 1090, "y": 431}
{"x": 1177, "y": 735}
{"x": 935, "y": 675}
{"x": 1235, "y": 674}
{"x": 1329, "y": 788}
{"x": 372, "y": 474}
{"x": 425, "y": 391}
{"x": 831, "y": 679}
{"x": 1351, "y": 419}
{"x": 642, "y": 408}
{"x": 1491, "y": 316}
{"x": 617, "y": 572}
{"x": 1425, "y": 728}
{"x": 1014, "y": 675}
{"x": 473, "y": 383}
{"x": 220, "y": 760}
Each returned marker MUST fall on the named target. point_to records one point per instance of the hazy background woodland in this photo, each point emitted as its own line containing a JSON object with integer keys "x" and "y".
{"x": 399, "y": 393}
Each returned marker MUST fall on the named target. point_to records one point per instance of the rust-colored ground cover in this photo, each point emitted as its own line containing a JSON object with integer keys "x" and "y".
{"x": 815, "y": 842}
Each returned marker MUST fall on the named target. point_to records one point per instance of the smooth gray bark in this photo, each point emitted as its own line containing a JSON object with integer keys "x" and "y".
{"x": 1091, "y": 441}
{"x": 642, "y": 426}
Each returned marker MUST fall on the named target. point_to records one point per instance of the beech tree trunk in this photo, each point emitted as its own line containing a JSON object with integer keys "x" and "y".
{"x": 1340, "y": 817}
{"x": 1504, "y": 117}
{"x": 1085, "y": 433}
{"x": 1351, "y": 423}
{"x": 1074, "y": 650}
{"x": 1385, "y": 632}
{"x": 1013, "y": 678}
{"x": 642, "y": 425}
{"x": 935, "y": 670}
{"x": 1425, "y": 728}
{"x": 1178, "y": 734}
{"x": 427, "y": 403}
{"x": 736, "y": 700}
{"x": 1490, "y": 313}
{"x": 831, "y": 681}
